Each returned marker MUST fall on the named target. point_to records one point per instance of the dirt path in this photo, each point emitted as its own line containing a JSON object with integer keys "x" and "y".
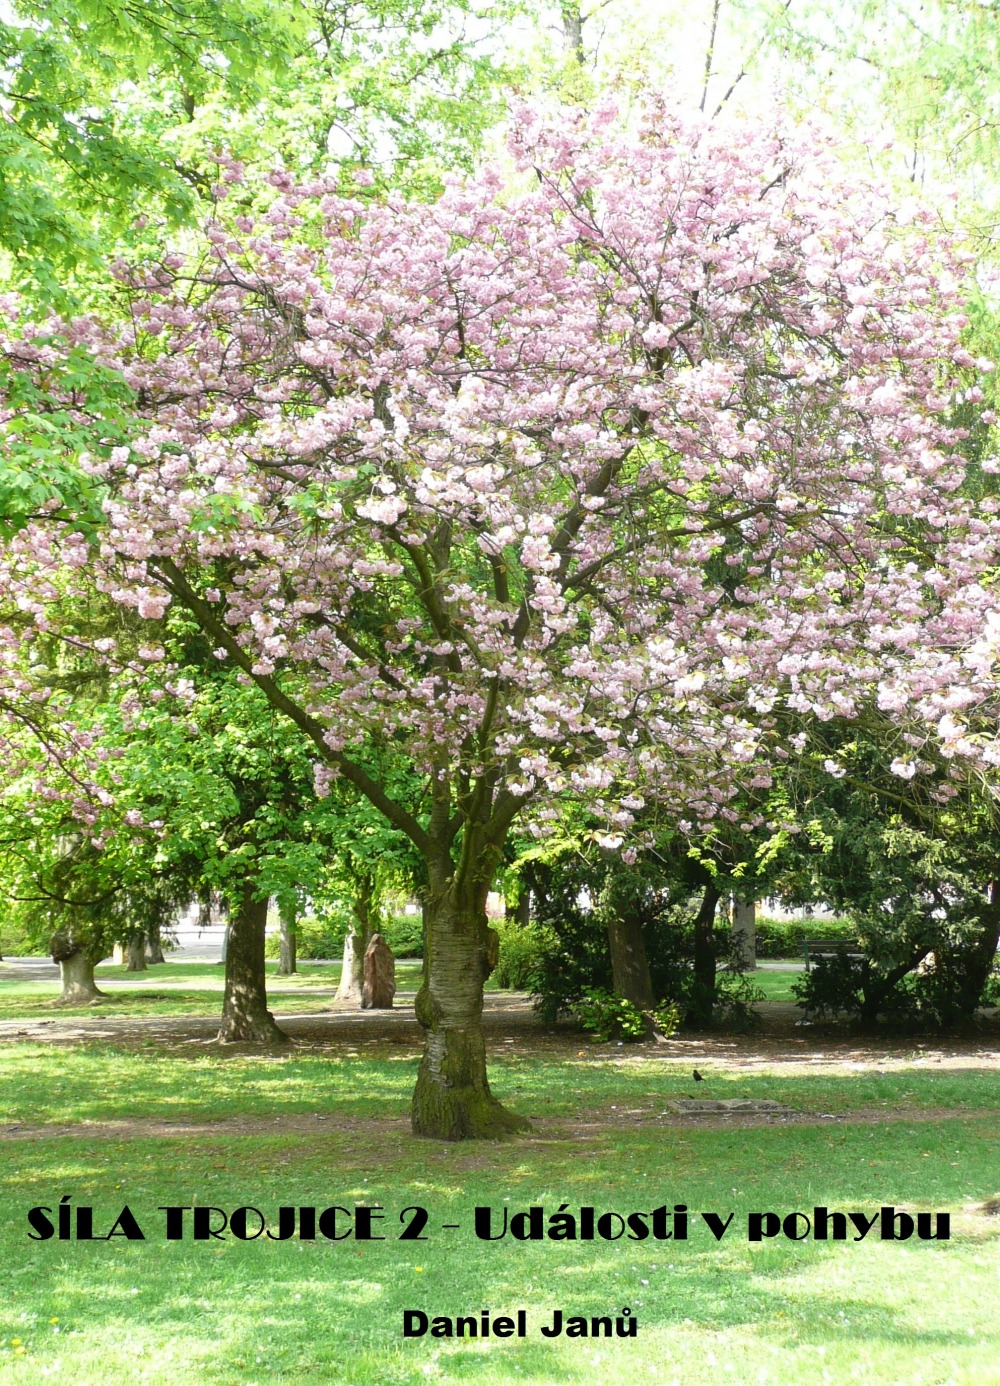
{"x": 512, "y": 1026}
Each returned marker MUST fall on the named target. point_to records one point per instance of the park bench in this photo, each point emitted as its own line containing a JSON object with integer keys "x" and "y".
{"x": 820, "y": 949}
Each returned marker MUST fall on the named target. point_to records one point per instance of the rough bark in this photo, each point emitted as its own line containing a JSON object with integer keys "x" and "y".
{"x": 745, "y": 933}
{"x": 520, "y": 912}
{"x": 702, "y": 1004}
{"x": 363, "y": 911}
{"x": 572, "y": 19}
{"x": 452, "y": 1099}
{"x": 154, "y": 942}
{"x": 135, "y": 954}
{"x": 76, "y": 972}
{"x": 245, "y": 1017}
{"x": 154, "y": 949}
{"x": 352, "y": 971}
{"x": 287, "y": 941}
{"x": 630, "y": 974}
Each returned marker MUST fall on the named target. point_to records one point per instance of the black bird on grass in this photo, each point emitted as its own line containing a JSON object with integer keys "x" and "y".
{"x": 697, "y": 1077}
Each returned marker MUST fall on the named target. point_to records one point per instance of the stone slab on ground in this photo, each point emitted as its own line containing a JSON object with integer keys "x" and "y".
{"x": 744, "y": 1106}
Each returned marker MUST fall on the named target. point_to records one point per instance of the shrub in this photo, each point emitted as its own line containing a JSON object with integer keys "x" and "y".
{"x": 16, "y": 940}
{"x": 404, "y": 933}
{"x": 315, "y": 938}
{"x": 783, "y": 938}
{"x": 609, "y": 1017}
{"x": 575, "y": 960}
{"x": 863, "y": 992}
{"x": 522, "y": 955}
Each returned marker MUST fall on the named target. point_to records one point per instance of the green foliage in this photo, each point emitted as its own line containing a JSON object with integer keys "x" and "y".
{"x": 609, "y": 1017}
{"x": 575, "y": 956}
{"x": 316, "y": 937}
{"x": 783, "y": 938}
{"x": 76, "y": 75}
{"x": 16, "y": 940}
{"x": 321, "y": 936}
{"x": 522, "y": 953}
{"x": 404, "y": 933}
{"x": 860, "y": 992}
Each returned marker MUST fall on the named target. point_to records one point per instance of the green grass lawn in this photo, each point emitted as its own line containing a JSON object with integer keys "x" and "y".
{"x": 195, "y": 988}
{"x": 233, "y": 1313}
{"x": 777, "y": 986}
{"x": 186, "y": 988}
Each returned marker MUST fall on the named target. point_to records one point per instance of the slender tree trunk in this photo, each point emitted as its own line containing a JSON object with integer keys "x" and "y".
{"x": 154, "y": 948}
{"x": 702, "y": 1004}
{"x": 135, "y": 954}
{"x": 452, "y": 1100}
{"x": 745, "y": 933}
{"x": 287, "y": 943}
{"x": 353, "y": 968}
{"x": 572, "y": 19}
{"x": 352, "y": 973}
{"x": 520, "y": 913}
{"x": 630, "y": 975}
{"x": 76, "y": 972}
{"x": 245, "y": 1017}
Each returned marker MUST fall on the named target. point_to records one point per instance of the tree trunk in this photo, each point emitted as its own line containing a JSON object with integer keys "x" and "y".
{"x": 702, "y": 1004}
{"x": 76, "y": 973}
{"x": 245, "y": 1017}
{"x": 629, "y": 964}
{"x": 452, "y": 1099}
{"x": 745, "y": 933}
{"x": 154, "y": 945}
{"x": 352, "y": 972}
{"x": 363, "y": 910}
{"x": 520, "y": 912}
{"x": 572, "y": 19}
{"x": 286, "y": 946}
{"x": 136, "y": 954}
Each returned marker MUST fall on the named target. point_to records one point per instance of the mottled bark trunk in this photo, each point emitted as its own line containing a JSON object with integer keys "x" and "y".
{"x": 76, "y": 973}
{"x": 135, "y": 954}
{"x": 452, "y": 1100}
{"x": 520, "y": 911}
{"x": 245, "y": 1017}
{"x": 572, "y": 18}
{"x": 630, "y": 975}
{"x": 286, "y": 941}
{"x": 154, "y": 948}
{"x": 745, "y": 933}
{"x": 702, "y": 1004}
{"x": 353, "y": 968}
{"x": 352, "y": 972}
